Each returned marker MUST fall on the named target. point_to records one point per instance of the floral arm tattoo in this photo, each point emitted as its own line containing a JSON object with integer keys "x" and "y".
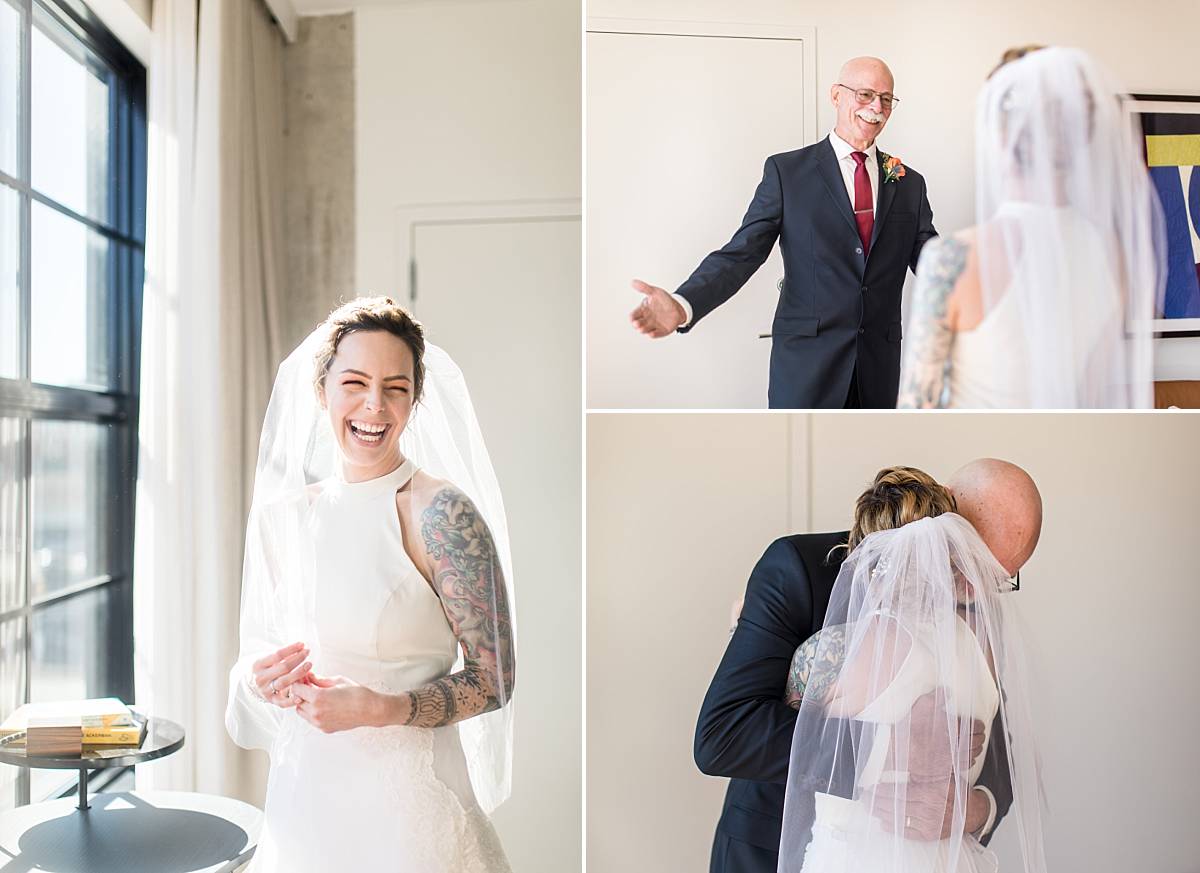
{"x": 468, "y": 578}
{"x": 813, "y": 678}
{"x": 927, "y": 350}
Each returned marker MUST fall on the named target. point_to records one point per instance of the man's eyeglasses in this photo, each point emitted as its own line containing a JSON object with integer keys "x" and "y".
{"x": 866, "y": 95}
{"x": 1015, "y": 582}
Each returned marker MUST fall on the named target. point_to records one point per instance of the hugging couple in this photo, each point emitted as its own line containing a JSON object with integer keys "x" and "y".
{"x": 871, "y": 708}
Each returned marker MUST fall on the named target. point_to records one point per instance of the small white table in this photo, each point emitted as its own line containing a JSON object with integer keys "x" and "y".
{"x": 130, "y": 832}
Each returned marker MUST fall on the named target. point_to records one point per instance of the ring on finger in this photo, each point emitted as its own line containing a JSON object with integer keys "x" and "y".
{"x": 274, "y": 690}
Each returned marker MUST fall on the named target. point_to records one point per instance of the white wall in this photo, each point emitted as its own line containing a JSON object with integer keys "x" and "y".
{"x": 678, "y": 510}
{"x": 680, "y": 507}
{"x": 461, "y": 102}
{"x": 941, "y": 51}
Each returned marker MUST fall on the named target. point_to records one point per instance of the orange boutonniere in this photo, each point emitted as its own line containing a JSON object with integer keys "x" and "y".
{"x": 892, "y": 168}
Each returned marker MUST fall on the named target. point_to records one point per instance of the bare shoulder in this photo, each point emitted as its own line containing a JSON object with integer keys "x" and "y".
{"x": 965, "y": 306}
{"x": 944, "y": 257}
{"x": 424, "y": 488}
{"x": 444, "y": 521}
{"x": 948, "y": 279}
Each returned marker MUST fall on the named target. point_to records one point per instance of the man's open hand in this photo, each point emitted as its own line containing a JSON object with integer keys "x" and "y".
{"x": 658, "y": 314}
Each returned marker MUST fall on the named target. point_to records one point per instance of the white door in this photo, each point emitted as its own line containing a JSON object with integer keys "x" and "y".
{"x": 503, "y": 298}
{"x": 678, "y": 128}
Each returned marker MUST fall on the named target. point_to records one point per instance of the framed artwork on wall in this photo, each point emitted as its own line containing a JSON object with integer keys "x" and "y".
{"x": 1170, "y": 126}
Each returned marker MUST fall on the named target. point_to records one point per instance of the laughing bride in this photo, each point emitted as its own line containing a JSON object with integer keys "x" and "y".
{"x": 376, "y": 663}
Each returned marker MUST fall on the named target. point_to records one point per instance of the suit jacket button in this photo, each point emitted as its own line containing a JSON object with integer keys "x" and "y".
{"x": 862, "y": 330}
{"x": 864, "y": 289}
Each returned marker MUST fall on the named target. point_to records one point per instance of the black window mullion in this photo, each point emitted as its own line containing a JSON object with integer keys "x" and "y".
{"x": 106, "y": 230}
{"x": 86, "y": 587}
{"x": 64, "y": 403}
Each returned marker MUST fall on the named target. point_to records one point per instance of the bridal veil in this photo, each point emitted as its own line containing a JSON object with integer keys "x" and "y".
{"x": 917, "y": 652}
{"x": 1070, "y": 231}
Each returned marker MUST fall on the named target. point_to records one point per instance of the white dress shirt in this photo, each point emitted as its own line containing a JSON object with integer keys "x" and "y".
{"x": 842, "y": 150}
{"x": 846, "y": 164}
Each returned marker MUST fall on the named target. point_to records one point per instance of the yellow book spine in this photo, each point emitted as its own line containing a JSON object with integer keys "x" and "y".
{"x": 101, "y": 737}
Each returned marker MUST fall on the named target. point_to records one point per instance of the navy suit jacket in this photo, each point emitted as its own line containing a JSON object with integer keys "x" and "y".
{"x": 838, "y": 308}
{"x": 745, "y": 729}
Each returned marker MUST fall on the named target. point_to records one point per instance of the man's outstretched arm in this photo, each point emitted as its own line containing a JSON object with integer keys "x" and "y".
{"x": 722, "y": 273}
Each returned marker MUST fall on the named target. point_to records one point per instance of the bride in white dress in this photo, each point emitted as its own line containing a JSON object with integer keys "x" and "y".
{"x": 1047, "y": 301}
{"x": 376, "y": 662}
{"x": 915, "y": 660}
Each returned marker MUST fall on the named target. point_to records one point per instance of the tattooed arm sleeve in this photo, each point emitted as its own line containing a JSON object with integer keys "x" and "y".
{"x": 809, "y": 676}
{"x": 468, "y": 578}
{"x": 927, "y": 348}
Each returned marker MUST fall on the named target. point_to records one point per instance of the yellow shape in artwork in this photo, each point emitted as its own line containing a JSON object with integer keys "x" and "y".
{"x": 1173, "y": 151}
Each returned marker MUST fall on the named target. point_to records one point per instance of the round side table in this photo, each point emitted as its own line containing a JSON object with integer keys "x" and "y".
{"x": 130, "y": 831}
{"x": 162, "y": 738}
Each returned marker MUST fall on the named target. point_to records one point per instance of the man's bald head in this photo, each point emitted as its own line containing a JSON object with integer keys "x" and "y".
{"x": 1002, "y": 503}
{"x": 866, "y": 67}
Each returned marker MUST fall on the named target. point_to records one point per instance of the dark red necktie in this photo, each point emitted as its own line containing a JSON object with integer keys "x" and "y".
{"x": 864, "y": 209}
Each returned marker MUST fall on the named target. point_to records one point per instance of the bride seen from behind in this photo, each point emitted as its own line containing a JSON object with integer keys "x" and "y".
{"x": 376, "y": 662}
{"x": 1046, "y": 302}
{"x": 912, "y": 698}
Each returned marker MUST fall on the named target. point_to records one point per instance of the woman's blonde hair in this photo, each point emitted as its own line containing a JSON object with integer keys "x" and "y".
{"x": 371, "y": 313}
{"x": 1015, "y": 54}
{"x": 897, "y": 496}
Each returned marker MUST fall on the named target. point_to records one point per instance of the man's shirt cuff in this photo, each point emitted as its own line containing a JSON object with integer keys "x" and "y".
{"x": 687, "y": 309}
{"x": 991, "y": 817}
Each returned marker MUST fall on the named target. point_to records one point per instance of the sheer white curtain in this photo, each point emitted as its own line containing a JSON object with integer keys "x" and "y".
{"x": 209, "y": 349}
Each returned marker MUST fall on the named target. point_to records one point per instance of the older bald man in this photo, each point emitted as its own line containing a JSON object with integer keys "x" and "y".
{"x": 851, "y": 220}
{"x": 745, "y": 728}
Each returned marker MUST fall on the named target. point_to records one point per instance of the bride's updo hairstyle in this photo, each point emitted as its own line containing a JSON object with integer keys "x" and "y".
{"x": 898, "y": 496}
{"x": 371, "y": 313}
{"x": 1015, "y": 54}
{"x": 1065, "y": 111}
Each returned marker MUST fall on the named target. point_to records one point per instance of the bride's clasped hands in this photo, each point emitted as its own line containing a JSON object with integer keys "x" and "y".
{"x": 328, "y": 703}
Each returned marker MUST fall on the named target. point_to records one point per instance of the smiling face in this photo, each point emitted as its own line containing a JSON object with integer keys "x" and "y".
{"x": 860, "y": 123}
{"x": 368, "y": 395}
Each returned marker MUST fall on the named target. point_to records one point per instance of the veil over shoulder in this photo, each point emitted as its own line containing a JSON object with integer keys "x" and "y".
{"x": 297, "y": 452}
{"x": 1070, "y": 233}
{"x": 915, "y": 652}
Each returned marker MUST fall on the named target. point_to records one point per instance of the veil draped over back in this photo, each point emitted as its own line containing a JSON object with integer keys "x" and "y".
{"x": 916, "y": 648}
{"x": 1069, "y": 230}
{"x": 297, "y": 449}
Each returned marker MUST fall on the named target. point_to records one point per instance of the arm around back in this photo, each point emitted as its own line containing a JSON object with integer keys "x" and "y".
{"x": 745, "y": 727}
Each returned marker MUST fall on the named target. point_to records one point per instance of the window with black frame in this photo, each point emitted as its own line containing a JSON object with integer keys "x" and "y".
{"x": 72, "y": 229}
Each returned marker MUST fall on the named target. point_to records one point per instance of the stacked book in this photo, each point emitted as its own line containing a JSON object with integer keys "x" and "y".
{"x": 65, "y": 728}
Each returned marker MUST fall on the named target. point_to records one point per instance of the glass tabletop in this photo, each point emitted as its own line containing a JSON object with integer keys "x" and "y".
{"x": 162, "y": 738}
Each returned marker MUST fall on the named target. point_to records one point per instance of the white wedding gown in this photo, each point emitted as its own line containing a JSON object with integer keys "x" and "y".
{"x": 994, "y": 365}
{"x": 846, "y": 837}
{"x": 373, "y": 800}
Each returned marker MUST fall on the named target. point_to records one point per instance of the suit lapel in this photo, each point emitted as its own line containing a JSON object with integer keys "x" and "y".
{"x": 832, "y": 177}
{"x": 887, "y": 193}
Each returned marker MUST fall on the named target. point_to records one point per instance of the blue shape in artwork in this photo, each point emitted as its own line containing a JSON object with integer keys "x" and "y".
{"x": 1182, "y": 297}
{"x": 1194, "y": 198}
